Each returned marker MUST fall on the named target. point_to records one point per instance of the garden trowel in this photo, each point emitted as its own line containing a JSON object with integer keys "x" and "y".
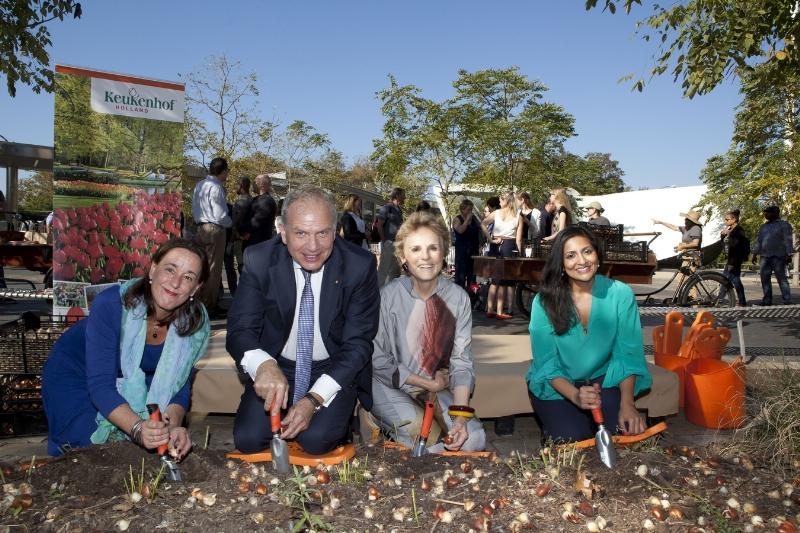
{"x": 605, "y": 446}
{"x": 172, "y": 467}
{"x": 420, "y": 448}
{"x": 277, "y": 446}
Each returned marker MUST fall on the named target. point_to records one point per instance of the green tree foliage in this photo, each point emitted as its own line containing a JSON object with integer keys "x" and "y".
{"x": 763, "y": 163}
{"x": 701, "y": 42}
{"x": 599, "y": 174}
{"x": 36, "y": 193}
{"x": 518, "y": 135}
{"x": 24, "y": 41}
{"x": 297, "y": 145}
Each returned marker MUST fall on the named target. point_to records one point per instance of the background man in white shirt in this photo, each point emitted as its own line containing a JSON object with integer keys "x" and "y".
{"x": 210, "y": 213}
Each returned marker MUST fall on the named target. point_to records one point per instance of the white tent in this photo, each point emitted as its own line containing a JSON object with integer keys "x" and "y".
{"x": 637, "y": 209}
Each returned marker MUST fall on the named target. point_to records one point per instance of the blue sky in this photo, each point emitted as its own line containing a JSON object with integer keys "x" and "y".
{"x": 323, "y": 61}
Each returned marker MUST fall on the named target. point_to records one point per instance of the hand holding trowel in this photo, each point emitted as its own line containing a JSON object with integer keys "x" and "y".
{"x": 277, "y": 446}
{"x": 172, "y": 466}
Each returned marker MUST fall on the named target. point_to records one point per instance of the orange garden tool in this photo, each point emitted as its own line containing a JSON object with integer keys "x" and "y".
{"x": 420, "y": 448}
{"x": 605, "y": 446}
{"x": 277, "y": 446}
{"x": 624, "y": 440}
{"x": 172, "y": 467}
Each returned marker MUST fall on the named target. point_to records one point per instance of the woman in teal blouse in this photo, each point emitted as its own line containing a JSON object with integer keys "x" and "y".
{"x": 586, "y": 340}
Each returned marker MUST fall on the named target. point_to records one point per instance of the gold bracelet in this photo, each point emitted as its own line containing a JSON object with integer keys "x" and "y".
{"x": 465, "y": 414}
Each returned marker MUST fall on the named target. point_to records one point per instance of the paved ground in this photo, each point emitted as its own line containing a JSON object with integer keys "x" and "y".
{"x": 772, "y": 337}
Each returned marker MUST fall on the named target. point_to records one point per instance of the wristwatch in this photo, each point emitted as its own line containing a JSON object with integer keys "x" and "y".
{"x": 313, "y": 399}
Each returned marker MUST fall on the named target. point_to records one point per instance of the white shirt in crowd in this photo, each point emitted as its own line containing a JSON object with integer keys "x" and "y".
{"x": 208, "y": 203}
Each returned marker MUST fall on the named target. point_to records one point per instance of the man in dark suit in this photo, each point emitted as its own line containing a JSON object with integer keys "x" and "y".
{"x": 301, "y": 328}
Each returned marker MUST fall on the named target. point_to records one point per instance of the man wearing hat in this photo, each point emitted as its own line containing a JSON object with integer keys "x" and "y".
{"x": 774, "y": 245}
{"x": 595, "y": 212}
{"x": 691, "y": 231}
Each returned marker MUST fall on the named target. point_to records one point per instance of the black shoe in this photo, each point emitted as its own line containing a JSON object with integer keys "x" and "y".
{"x": 504, "y": 426}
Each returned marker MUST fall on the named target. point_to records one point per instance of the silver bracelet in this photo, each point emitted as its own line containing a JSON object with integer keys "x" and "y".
{"x": 136, "y": 432}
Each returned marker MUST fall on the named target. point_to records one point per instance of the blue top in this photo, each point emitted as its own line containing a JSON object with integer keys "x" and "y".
{"x": 100, "y": 365}
{"x": 611, "y": 345}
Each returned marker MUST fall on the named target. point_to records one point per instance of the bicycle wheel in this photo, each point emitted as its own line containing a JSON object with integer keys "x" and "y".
{"x": 708, "y": 289}
{"x": 525, "y": 295}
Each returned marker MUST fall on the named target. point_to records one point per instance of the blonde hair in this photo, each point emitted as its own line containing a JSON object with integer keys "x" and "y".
{"x": 560, "y": 197}
{"x": 416, "y": 222}
{"x": 509, "y": 210}
{"x": 350, "y": 202}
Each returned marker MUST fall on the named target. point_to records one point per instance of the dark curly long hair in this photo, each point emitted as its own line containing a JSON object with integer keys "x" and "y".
{"x": 190, "y": 316}
{"x": 555, "y": 289}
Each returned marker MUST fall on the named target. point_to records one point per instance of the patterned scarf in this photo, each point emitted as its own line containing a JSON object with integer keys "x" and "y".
{"x": 178, "y": 357}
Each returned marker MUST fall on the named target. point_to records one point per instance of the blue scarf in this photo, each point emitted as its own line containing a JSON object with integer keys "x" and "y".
{"x": 174, "y": 366}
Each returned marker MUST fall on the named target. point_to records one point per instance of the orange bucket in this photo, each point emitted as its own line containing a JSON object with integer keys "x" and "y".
{"x": 715, "y": 393}
{"x": 678, "y": 365}
{"x": 673, "y": 332}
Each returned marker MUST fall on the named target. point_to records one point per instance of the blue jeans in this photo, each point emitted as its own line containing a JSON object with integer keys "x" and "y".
{"x": 734, "y": 275}
{"x": 767, "y": 266}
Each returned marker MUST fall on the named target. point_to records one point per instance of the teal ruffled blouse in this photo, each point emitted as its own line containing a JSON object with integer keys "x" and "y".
{"x": 611, "y": 344}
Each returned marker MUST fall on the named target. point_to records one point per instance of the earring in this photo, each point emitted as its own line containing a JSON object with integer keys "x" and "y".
{"x": 405, "y": 267}
{"x": 191, "y": 298}
{"x": 150, "y": 281}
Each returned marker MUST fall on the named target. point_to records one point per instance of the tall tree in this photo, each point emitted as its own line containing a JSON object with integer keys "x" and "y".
{"x": 518, "y": 134}
{"x": 704, "y": 41}
{"x": 299, "y": 143}
{"x": 222, "y": 117}
{"x": 430, "y": 141}
{"x": 24, "y": 41}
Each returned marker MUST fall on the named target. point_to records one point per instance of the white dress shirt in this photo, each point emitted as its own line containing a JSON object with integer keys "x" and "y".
{"x": 208, "y": 203}
{"x": 325, "y": 386}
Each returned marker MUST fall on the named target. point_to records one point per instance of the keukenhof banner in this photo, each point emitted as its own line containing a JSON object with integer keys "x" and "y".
{"x": 117, "y": 172}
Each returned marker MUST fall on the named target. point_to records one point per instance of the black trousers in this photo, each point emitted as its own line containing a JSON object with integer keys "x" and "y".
{"x": 563, "y": 421}
{"x": 328, "y": 428}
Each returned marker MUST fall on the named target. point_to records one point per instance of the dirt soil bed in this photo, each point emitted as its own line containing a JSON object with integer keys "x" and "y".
{"x": 652, "y": 488}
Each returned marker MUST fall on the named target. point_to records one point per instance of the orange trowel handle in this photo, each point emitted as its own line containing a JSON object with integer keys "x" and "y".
{"x": 427, "y": 420}
{"x": 274, "y": 420}
{"x": 597, "y": 414}
{"x": 155, "y": 415}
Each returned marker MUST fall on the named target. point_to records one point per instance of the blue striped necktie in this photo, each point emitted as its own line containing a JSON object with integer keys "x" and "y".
{"x": 305, "y": 341}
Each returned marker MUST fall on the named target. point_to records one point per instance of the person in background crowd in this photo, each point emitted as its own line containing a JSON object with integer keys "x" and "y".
{"x": 389, "y": 220}
{"x": 354, "y": 229}
{"x": 466, "y": 229}
{"x": 241, "y": 206}
{"x": 260, "y": 218}
{"x": 279, "y": 218}
{"x": 691, "y": 231}
{"x": 210, "y": 213}
{"x": 738, "y": 249}
{"x": 229, "y": 257}
{"x": 530, "y": 216}
{"x": 424, "y": 205}
{"x": 137, "y": 347}
{"x": 546, "y": 218}
{"x": 595, "y": 212}
{"x": 424, "y": 342}
{"x": 562, "y": 218}
{"x": 301, "y": 329}
{"x": 492, "y": 205}
{"x": 586, "y": 340}
{"x": 774, "y": 246}
{"x": 507, "y": 233}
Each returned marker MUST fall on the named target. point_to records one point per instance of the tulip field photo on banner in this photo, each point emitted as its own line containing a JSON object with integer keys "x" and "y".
{"x": 117, "y": 172}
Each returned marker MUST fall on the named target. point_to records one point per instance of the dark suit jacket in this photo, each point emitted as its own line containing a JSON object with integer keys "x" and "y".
{"x": 263, "y": 309}
{"x": 260, "y": 218}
